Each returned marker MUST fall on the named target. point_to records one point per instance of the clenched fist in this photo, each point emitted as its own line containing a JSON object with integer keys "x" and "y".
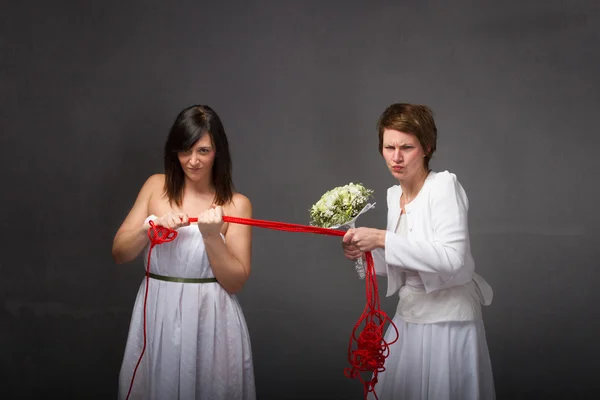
{"x": 173, "y": 220}
{"x": 210, "y": 222}
{"x": 363, "y": 239}
{"x": 351, "y": 251}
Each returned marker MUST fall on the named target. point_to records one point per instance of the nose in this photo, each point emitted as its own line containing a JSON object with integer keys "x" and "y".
{"x": 195, "y": 160}
{"x": 397, "y": 157}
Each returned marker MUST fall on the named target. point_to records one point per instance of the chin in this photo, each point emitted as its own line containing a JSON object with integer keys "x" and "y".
{"x": 195, "y": 177}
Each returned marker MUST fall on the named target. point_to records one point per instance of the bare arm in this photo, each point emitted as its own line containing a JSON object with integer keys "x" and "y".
{"x": 230, "y": 260}
{"x": 132, "y": 236}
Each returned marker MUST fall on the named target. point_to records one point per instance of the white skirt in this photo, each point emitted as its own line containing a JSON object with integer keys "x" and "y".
{"x": 441, "y": 361}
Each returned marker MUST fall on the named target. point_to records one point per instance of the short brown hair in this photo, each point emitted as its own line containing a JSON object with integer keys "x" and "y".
{"x": 415, "y": 119}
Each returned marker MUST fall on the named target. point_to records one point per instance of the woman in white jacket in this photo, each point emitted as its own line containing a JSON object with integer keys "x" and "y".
{"x": 425, "y": 253}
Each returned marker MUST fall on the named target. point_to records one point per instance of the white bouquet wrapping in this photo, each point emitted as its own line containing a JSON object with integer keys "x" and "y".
{"x": 339, "y": 208}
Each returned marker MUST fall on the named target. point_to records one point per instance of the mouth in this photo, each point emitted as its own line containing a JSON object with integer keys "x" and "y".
{"x": 397, "y": 168}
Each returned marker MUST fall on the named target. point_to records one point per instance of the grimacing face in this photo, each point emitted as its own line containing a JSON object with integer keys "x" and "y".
{"x": 403, "y": 154}
{"x": 198, "y": 161}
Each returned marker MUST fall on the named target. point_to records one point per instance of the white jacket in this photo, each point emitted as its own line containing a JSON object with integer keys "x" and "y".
{"x": 438, "y": 245}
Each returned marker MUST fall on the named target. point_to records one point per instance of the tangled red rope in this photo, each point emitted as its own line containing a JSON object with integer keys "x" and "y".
{"x": 371, "y": 348}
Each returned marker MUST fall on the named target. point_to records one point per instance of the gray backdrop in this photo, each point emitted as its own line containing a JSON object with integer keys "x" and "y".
{"x": 89, "y": 90}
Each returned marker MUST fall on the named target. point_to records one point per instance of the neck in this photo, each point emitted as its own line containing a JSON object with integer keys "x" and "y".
{"x": 199, "y": 188}
{"x": 411, "y": 187}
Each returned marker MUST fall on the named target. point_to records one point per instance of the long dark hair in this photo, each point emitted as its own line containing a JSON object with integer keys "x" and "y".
{"x": 189, "y": 126}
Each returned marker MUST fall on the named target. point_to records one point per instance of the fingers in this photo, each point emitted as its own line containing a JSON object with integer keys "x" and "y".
{"x": 350, "y": 245}
{"x": 171, "y": 221}
{"x": 211, "y": 216}
{"x": 174, "y": 220}
{"x": 349, "y": 242}
{"x": 348, "y": 236}
{"x": 205, "y": 217}
{"x": 184, "y": 219}
{"x": 353, "y": 255}
{"x": 218, "y": 213}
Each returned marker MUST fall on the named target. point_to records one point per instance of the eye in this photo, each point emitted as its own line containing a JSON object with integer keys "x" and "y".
{"x": 204, "y": 150}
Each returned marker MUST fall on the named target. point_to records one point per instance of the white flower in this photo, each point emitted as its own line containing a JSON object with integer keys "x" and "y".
{"x": 339, "y": 205}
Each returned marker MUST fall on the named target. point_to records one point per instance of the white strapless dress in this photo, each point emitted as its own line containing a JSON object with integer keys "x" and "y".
{"x": 198, "y": 345}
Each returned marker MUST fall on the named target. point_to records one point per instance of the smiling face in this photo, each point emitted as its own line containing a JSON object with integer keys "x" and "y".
{"x": 197, "y": 161}
{"x": 403, "y": 154}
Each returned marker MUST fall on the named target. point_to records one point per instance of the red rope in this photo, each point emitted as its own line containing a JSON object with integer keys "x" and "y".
{"x": 371, "y": 348}
{"x": 157, "y": 235}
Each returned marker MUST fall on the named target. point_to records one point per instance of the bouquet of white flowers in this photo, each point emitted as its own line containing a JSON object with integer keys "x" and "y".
{"x": 339, "y": 208}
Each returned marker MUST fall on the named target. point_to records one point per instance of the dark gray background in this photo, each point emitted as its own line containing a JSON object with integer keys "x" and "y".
{"x": 89, "y": 90}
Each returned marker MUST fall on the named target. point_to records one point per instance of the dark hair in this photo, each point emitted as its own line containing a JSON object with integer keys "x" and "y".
{"x": 415, "y": 119}
{"x": 189, "y": 126}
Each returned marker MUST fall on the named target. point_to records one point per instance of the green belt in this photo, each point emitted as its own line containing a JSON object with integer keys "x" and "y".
{"x": 181, "y": 280}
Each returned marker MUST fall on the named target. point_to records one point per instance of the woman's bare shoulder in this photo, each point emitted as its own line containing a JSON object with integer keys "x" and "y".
{"x": 154, "y": 184}
{"x": 239, "y": 205}
{"x": 156, "y": 180}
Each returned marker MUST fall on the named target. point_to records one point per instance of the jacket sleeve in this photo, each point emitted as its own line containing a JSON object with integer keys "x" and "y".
{"x": 446, "y": 252}
{"x": 395, "y": 276}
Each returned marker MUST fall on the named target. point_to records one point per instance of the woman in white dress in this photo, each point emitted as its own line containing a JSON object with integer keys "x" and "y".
{"x": 441, "y": 353}
{"x": 198, "y": 346}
